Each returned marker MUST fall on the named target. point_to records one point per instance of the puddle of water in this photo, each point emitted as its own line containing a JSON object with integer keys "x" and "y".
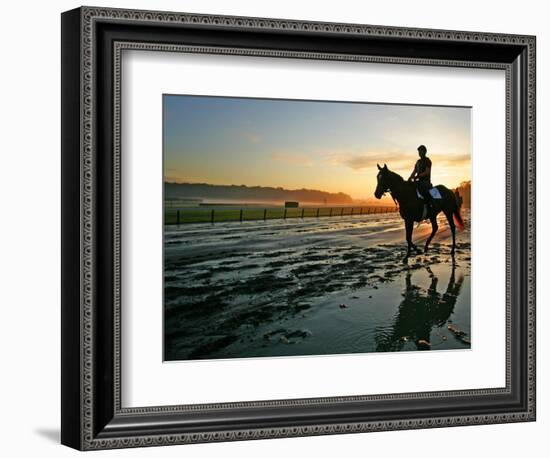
{"x": 306, "y": 288}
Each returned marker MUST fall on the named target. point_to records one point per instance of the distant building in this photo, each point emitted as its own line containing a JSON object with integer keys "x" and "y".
{"x": 290, "y": 204}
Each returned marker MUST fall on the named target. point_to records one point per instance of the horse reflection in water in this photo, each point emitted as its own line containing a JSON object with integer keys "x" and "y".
{"x": 419, "y": 312}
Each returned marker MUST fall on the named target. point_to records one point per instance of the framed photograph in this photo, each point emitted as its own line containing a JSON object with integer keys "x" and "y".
{"x": 278, "y": 228}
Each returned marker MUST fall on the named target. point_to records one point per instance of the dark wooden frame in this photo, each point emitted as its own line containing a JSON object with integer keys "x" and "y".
{"x": 92, "y": 40}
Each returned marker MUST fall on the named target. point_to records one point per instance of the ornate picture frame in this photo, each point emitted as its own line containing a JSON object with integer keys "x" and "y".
{"x": 93, "y": 416}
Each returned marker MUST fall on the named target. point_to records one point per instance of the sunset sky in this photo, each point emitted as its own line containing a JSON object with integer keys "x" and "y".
{"x": 329, "y": 146}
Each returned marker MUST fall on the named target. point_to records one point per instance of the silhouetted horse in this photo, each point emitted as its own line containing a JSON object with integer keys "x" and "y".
{"x": 411, "y": 207}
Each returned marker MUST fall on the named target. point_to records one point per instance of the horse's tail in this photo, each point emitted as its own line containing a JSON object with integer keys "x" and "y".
{"x": 458, "y": 218}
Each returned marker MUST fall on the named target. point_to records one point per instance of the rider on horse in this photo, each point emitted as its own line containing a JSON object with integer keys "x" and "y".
{"x": 422, "y": 175}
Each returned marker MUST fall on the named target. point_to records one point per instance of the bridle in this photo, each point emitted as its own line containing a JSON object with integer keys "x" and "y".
{"x": 387, "y": 190}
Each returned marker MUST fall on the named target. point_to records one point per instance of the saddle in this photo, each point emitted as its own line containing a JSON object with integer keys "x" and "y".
{"x": 434, "y": 192}
{"x": 436, "y": 195}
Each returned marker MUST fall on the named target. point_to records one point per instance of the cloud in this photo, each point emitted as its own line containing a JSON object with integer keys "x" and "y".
{"x": 453, "y": 159}
{"x": 394, "y": 160}
{"x": 295, "y": 159}
{"x": 252, "y": 138}
{"x": 368, "y": 160}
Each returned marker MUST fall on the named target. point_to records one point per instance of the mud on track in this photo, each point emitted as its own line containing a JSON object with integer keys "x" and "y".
{"x": 307, "y": 287}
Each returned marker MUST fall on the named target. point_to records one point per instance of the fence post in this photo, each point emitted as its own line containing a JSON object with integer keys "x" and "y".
{"x": 241, "y": 216}
{"x": 317, "y": 213}
{"x": 330, "y": 212}
{"x": 212, "y": 217}
{"x": 284, "y": 215}
{"x": 303, "y": 209}
{"x": 265, "y": 214}
{"x": 342, "y": 212}
{"x": 178, "y": 217}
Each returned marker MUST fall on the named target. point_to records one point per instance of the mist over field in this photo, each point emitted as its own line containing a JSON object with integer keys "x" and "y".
{"x": 242, "y": 193}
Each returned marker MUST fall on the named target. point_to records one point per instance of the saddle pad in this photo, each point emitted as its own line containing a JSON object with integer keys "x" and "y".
{"x": 434, "y": 192}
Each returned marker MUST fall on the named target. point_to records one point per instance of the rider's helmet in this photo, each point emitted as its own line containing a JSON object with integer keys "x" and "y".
{"x": 422, "y": 150}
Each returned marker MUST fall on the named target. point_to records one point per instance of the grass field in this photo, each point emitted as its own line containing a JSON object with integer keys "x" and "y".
{"x": 214, "y": 214}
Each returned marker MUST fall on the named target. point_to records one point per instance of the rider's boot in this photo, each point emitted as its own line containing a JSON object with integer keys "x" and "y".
{"x": 429, "y": 206}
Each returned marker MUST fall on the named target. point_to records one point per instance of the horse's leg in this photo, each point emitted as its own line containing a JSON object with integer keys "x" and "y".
{"x": 449, "y": 216}
{"x": 409, "y": 224}
{"x": 433, "y": 220}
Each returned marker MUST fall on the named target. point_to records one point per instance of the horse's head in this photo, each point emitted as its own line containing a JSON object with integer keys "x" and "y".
{"x": 382, "y": 178}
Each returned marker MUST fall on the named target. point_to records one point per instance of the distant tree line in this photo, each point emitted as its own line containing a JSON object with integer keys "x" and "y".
{"x": 257, "y": 193}
{"x": 465, "y": 192}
